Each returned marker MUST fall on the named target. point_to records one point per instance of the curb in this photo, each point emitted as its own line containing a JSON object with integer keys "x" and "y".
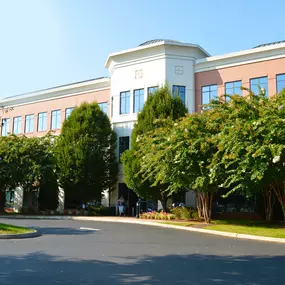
{"x": 21, "y": 236}
{"x": 144, "y": 222}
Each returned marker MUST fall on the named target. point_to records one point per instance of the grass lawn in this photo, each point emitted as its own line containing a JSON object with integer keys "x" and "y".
{"x": 178, "y": 223}
{"x": 257, "y": 228}
{"x": 11, "y": 230}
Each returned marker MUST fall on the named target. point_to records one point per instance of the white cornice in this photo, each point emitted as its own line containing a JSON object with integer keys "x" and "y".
{"x": 57, "y": 92}
{"x": 240, "y": 58}
{"x": 145, "y": 47}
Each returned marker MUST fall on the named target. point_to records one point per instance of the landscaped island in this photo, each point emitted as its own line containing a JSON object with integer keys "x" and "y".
{"x": 6, "y": 229}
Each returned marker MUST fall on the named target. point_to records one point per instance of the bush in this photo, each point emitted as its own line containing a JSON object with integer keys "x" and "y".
{"x": 186, "y": 213}
{"x": 101, "y": 211}
{"x": 176, "y": 212}
{"x": 195, "y": 215}
{"x": 157, "y": 215}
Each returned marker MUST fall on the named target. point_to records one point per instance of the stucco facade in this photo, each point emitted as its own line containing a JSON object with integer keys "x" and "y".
{"x": 184, "y": 68}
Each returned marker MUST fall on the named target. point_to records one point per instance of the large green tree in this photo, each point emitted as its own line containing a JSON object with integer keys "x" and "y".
{"x": 86, "y": 153}
{"x": 159, "y": 106}
{"x": 25, "y": 162}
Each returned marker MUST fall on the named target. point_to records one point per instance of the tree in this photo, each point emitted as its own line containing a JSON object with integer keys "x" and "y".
{"x": 179, "y": 155}
{"x": 252, "y": 147}
{"x": 25, "y": 162}
{"x": 85, "y": 153}
{"x": 161, "y": 105}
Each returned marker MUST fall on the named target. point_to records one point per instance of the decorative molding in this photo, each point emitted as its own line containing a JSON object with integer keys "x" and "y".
{"x": 138, "y": 74}
{"x": 178, "y": 69}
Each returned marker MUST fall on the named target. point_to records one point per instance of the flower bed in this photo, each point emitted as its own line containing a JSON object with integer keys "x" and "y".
{"x": 157, "y": 216}
{"x": 177, "y": 213}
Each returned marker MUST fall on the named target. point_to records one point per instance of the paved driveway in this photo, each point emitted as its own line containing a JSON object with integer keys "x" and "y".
{"x": 70, "y": 252}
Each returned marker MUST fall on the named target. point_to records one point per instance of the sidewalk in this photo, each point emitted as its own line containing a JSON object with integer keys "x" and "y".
{"x": 156, "y": 223}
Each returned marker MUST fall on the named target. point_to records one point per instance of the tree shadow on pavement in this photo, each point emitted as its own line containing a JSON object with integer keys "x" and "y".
{"x": 62, "y": 231}
{"x": 40, "y": 268}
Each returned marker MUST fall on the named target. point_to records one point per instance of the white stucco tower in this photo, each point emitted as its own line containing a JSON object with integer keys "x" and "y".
{"x": 134, "y": 72}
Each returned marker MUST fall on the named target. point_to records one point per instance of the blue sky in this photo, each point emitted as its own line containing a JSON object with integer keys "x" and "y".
{"x": 45, "y": 43}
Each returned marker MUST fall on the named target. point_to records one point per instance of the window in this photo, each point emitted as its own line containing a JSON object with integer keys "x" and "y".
{"x": 55, "y": 119}
{"x": 112, "y": 104}
{"x": 233, "y": 88}
{"x": 17, "y": 124}
{"x": 68, "y": 111}
{"x": 29, "y": 124}
{"x": 104, "y": 107}
{"x": 152, "y": 90}
{"x": 42, "y": 122}
{"x": 5, "y": 126}
{"x": 124, "y": 144}
{"x": 260, "y": 82}
{"x": 125, "y": 102}
{"x": 179, "y": 91}
{"x": 280, "y": 82}
{"x": 138, "y": 100}
{"x": 10, "y": 197}
{"x": 208, "y": 93}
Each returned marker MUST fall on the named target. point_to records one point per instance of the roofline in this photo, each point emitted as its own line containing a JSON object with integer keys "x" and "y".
{"x": 55, "y": 89}
{"x": 236, "y": 54}
{"x": 164, "y": 42}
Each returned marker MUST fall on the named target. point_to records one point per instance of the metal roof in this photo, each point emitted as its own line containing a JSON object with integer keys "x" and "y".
{"x": 157, "y": 41}
{"x": 270, "y": 44}
{"x": 78, "y": 82}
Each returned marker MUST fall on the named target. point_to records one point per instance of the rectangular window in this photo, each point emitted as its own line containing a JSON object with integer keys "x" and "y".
{"x": 68, "y": 111}
{"x": 104, "y": 107}
{"x": 5, "y": 126}
{"x": 42, "y": 122}
{"x": 152, "y": 90}
{"x": 208, "y": 93}
{"x": 29, "y": 123}
{"x": 55, "y": 119}
{"x": 125, "y": 102}
{"x": 233, "y": 88}
{"x": 10, "y": 197}
{"x": 179, "y": 91}
{"x": 138, "y": 100}
{"x": 124, "y": 144}
{"x": 17, "y": 124}
{"x": 280, "y": 82}
{"x": 257, "y": 83}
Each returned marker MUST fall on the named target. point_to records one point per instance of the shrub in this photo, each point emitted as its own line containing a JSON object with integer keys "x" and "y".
{"x": 186, "y": 213}
{"x": 176, "y": 212}
{"x": 157, "y": 216}
{"x": 195, "y": 215}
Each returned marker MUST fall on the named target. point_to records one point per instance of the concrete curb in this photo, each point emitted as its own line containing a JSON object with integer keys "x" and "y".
{"x": 33, "y": 234}
{"x": 149, "y": 223}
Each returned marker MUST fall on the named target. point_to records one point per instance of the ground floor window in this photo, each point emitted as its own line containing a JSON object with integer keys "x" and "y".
{"x": 10, "y": 197}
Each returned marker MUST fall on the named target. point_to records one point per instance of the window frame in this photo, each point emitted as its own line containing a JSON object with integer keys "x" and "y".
{"x": 14, "y": 121}
{"x": 51, "y": 125}
{"x": 33, "y": 125}
{"x": 178, "y": 87}
{"x": 279, "y": 81}
{"x": 119, "y": 144}
{"x": 129, "y": 98}
{"x": 153, "y": 87}
{"x": 100, "y": 104}
{"x": 210, "y": 98}
{"x": 46, "y": 117}
{"x": 7, "y": 126}
{"x": 254, "y": 78}
{"x": 70, "y": 112}
{"x": 139, "y": 100}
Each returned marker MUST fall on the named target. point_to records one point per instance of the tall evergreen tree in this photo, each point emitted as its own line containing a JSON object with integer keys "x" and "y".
{"x": 86, "y": 153}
